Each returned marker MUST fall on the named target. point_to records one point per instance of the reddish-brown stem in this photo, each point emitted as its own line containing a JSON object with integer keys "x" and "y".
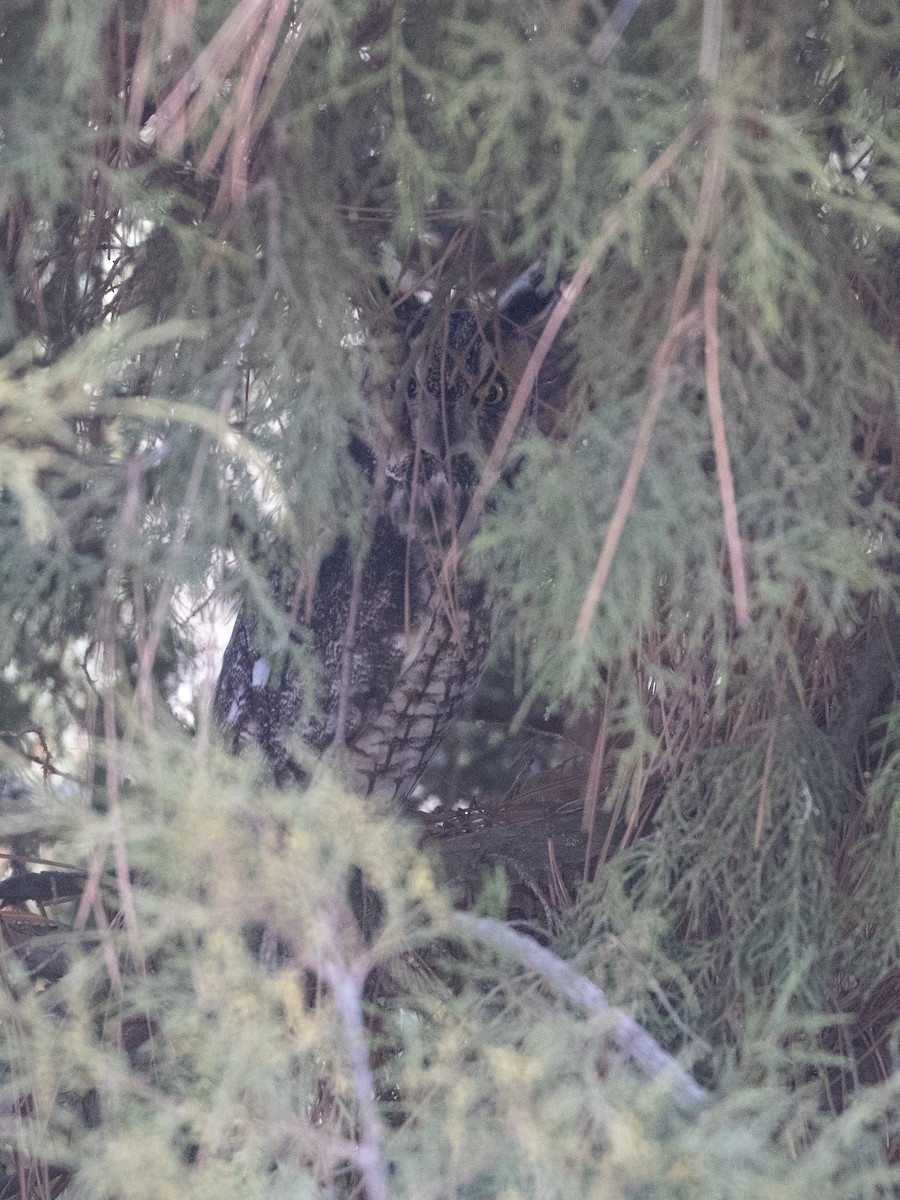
{"x": 720, "y": 443}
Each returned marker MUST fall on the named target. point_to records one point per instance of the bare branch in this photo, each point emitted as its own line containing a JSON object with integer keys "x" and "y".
{"x": 634, "y": 1041}
{"x": 347, "y": 984}
{"x": 199, "y": 85}
{"x": 720, "y": 443}
{"x": 681, "y": 326}
{"x": 612, "y": 224}
{"x": 711, "y": 44}
{"x": 659, "y": 374}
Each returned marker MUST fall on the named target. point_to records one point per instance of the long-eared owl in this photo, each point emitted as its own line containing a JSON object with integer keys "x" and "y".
{"x": 397, "y": 642}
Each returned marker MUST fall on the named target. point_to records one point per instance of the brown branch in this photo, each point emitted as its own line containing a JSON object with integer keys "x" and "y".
{"x": 252, "y": 23}
{"x": 659, "y": 373}
{"x": 233, "y": 188}
{"x": 140, "y": 74}
{"x": 681, "y": 325}
{"x": 200, "y": 83}
{"x": 277, "y": 73}
{"x": 612, "y": 225}
{"x": 720, "y": 443}
{"x": 166, "y": 31}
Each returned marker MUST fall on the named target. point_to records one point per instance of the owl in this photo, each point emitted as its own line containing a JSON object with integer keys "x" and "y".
{"x": 393, "y": 643}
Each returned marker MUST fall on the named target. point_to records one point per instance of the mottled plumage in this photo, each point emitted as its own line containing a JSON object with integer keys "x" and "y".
{"x": 396, "y": 648}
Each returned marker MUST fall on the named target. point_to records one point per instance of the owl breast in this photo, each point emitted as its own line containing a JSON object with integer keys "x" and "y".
{"x": 384, "y": 647}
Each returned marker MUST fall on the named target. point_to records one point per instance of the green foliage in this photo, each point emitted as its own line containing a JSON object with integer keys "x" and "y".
{"x": 204, "y": 1070}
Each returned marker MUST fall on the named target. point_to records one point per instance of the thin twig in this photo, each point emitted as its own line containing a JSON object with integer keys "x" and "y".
{"x": 91, "y": 888}
{"x": 630, "y": 1038}
{"x": 763, "y": 805}
{"x": 720, "y": 443}
{"x": 44, "y": 760}
{"x": 113, "y": 786}
{"x": 660, "y": 374}
{"x": 109, "y": 952}
{"x": 123, "y": 535}
{"x": 661, "y": 997}
{"x": 559, "y": 893}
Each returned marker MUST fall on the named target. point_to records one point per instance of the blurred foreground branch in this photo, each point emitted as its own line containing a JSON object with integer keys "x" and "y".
{"x": 625, "y": 1033}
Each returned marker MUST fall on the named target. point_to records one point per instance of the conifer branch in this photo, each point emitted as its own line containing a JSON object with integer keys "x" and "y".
{"x": 681, "y": 326}
{"x": 612, "y": 225}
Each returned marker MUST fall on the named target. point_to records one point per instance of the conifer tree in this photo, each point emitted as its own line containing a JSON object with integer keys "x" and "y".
{"x": 223, "y": 224}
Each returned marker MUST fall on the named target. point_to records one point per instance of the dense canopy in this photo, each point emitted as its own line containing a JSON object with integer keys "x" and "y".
{"x": 227, "y": 230}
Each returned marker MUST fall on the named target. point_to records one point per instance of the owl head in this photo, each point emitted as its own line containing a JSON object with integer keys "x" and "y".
{"x": 452, "y": 368}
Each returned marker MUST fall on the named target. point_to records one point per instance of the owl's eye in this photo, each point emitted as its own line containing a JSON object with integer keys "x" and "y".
{"x": 491, "y": 394}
